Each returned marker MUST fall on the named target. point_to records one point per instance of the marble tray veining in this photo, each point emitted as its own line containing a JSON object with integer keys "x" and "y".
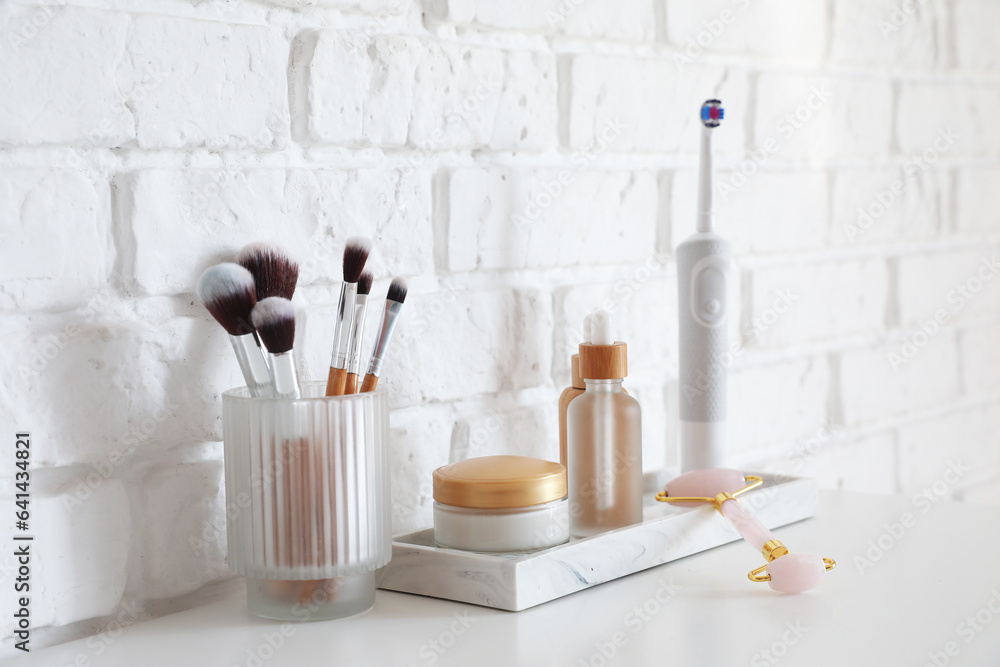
{"x": 517, "y": 581}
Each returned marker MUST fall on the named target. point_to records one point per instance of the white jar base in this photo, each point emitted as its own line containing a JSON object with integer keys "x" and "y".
{"x": 322, "y": 600}
{"x": 502, "y": 530}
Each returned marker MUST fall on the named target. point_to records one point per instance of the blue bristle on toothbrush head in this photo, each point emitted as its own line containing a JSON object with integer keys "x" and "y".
{"x": 712, "y": 113}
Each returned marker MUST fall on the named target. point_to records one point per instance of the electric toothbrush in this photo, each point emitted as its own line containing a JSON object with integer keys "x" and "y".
{"x": 702, "y": 276}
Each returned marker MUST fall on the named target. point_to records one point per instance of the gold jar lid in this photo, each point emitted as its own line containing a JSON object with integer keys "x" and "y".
{"x": 494, "y": 482}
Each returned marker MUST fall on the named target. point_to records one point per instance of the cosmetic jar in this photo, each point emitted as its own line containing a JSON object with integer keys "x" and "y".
{"x": 307, "y": 497}
{"x": 501, "y": 503}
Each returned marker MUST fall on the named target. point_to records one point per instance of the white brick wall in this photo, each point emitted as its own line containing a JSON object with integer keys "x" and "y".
{"x": 520, "y": 163}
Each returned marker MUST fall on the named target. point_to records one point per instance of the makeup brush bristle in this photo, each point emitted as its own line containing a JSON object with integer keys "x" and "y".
{"x": 365, "y": 283}
{"x": 274, "y": 319}
{"x": 397, "y": 290}
{"x": 274, "y": 272}
{"x": 228, "y": 292}
{"x": 355, "y": 255}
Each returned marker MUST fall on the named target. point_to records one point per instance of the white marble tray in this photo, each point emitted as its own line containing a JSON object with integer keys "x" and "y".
{"x": 518, "y": 581}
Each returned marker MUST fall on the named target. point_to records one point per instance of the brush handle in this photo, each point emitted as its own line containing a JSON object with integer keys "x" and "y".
{"x": 336, "y": 382}
{"x": 390, "y": 315}
{"x": 703, "y": 305}
{"x": 351, "y": 384}
{"x": 369, "y": 383}
{"x": 284, "y": 377}
{"x": 253, "y": 364}
{"x": 353, "y": 364}
{"x": 345, "y": 322}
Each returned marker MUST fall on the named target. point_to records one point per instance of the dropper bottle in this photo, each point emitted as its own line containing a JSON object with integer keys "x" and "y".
{"x": 604, "y": 439}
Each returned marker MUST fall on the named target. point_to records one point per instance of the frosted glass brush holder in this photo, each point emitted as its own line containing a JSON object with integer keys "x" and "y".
{"x": 307, "y": 500}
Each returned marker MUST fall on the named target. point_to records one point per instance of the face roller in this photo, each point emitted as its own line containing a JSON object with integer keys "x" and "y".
{"x": 785, "y": 572}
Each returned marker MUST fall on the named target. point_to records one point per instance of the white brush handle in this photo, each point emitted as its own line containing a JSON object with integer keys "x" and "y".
{"x": 284, "y": 377}
{"x": 703, "y": 304}
{"x": 253, "y": 365}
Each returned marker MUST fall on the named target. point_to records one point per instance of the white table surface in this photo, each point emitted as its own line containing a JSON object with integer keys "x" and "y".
{"x": 908, "y": 608}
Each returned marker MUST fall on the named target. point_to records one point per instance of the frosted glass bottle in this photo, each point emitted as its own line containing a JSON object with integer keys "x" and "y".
{"x": 604, "y": 439}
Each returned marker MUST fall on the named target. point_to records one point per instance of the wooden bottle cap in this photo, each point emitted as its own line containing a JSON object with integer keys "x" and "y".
{"x": 577, "y": 379}
{"x": 604, "y": 362}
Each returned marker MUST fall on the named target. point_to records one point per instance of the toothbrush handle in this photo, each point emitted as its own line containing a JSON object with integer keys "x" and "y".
{"x": 703, "y": 305}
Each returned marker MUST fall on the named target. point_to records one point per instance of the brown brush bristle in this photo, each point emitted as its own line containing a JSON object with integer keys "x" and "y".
{"x": 274, "y": 272}
{"x": 355, "y": 255}
{"x": 228, "y": 292}
{"x": 397, "y": 290}
{"x": 274, "y": 318}
{"x": 365, "y": 283}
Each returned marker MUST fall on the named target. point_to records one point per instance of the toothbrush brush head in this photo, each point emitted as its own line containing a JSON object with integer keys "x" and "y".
{"x": 712, "y": 113}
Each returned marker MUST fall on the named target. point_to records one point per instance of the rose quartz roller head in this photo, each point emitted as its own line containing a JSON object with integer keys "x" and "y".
{"x": 785, "y": 572}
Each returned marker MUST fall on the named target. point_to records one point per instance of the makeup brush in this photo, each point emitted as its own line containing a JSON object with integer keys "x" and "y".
{"x": 274, "y": 319}
{"x": 355, "y": 255}
{"x": 274, "y": 272}
{"x": 390, "y": 314}
{"x": 358, "y": 332}
{"x": 229, "y": 294}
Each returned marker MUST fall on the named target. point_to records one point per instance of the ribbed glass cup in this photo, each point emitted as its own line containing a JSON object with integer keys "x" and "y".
{"x": 307, "y": 498}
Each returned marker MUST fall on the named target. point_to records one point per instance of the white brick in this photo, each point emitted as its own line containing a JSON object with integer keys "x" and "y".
{"x": 975, "y": 43}
{"x": 643, "y": 307}
{"x": 595, "y": 18}
{"x": 962, "y": 284}
{"x": 864, "y": 465}
{"x": 56, "y": 248}
{"x": 944, "y": 119}
{"x": 530, "y": 219}
{"x": 978, "y": 200}
{"x": 871, "y": 389}
{"x": 523, "y": 431}
{"x": 461, "y": 343}
{"x": 420, "y": 442}
{"x": 407, "y": 91}
{"x": 315, "y": 212}
{"x": 886, "y": 205}
{"x": 59, "y": 79}
{"x": 987, "y": 493}
{"x": 72, "y": 388}
{"x": 185, "y": 545}
{"x": 642, "y": 96}
{"x": 929, "y": 448}
{"x": 877, "y": 31}
{"x": 748, "y": 27}
{"x": 824, "y": 300}
{"x": 775, "y": 404}
{"x": 807, "y": 116}
{"x": 750, "y": 215}
{"x": 199, "y": 83}
{"x": 82, "y": 567}
{"x": 980, "y": 359}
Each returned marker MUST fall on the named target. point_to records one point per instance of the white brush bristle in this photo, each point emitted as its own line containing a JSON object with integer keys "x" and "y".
{"x": 272, "y": 310}
{"x": 222, "y": 280}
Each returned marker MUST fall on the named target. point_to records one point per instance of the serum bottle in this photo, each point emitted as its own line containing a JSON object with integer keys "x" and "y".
{"x": 604, "y": 439}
